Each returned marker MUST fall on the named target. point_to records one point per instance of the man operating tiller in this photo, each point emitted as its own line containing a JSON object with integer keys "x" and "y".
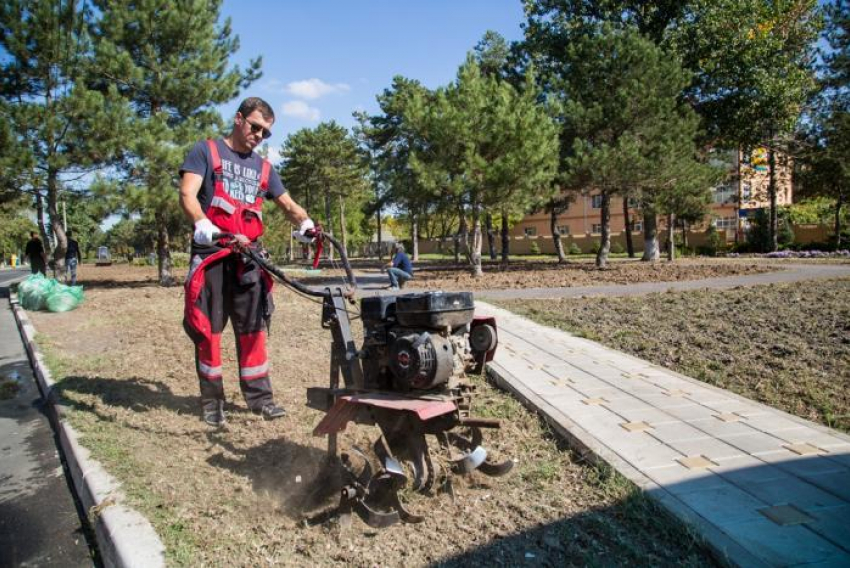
{"x": 223, "y": 184}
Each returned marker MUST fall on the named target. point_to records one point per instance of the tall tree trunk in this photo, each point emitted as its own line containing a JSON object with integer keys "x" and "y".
{"x": 839, "y": 202}
{"x": 380, "y": 228}
{"x": 342, "y": 231}
{"x": 491, "y": 236}
{"x": 163, "y": 251}
{"x": 329, "y": 227}
{"x": 773, "y": 230}
{"x": 477, "y": 242}
{"x": 630, "y": 245}
{"x": 556, "y": 235}
{"x": 290, "y": 256}
{"x": 684, "y": 234}
{"x": 42, "y": 226}
{"x": 414, "y": 235}
{"x": 671, "y": 235}
{"x": 56, "y": 224}
{"x": 605, "y": 237}
{"x": 506, "y": 239}
{"x": 464, "y": 237}
{"x": 650, "y": 236}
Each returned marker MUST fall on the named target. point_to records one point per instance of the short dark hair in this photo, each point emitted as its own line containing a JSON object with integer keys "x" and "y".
{"x": 251, "y": 104}
{"x": 33, "y": 234}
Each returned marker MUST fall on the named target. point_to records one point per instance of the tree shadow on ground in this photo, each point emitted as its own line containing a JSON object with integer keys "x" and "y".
{"x": 135, "y": 393}
{"x": 298, "y": 479}
{"x": 111, "y": 284}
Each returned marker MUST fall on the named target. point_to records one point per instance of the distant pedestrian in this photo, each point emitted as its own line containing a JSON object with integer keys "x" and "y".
{"x": 72, "y": 258}
{"x": 399, "y": 269}
{"x": 35, "y": 253}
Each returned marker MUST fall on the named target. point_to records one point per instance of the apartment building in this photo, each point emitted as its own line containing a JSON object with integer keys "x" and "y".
{"x": 744, "y": 191}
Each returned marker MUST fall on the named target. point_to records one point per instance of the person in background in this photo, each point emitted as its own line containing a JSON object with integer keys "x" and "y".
{"x": 72, "y": 258}
{"x": 35, "y": 253}
{"x": 399, "y": 269}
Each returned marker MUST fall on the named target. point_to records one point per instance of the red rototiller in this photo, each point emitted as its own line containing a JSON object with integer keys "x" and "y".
{"x": 408, "y": 378}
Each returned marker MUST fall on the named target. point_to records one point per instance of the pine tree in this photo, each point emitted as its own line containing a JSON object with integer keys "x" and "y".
{"x": 170, "y": 61}
{"x": 325, "y": 170}
{"x": 489, "y": 145}
{"x": 54, "y": 127}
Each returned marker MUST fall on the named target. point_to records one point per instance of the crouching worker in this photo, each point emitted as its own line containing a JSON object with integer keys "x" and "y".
{"x": 222, "y": 188}
{"x": 399, "y": 269}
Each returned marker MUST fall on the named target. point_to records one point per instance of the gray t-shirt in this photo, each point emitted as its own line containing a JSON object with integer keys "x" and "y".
{"x": 240, "y": 172}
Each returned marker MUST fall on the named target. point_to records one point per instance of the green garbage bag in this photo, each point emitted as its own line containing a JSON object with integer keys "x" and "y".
{"x": 33, "y": 291}
{"x": 64, "y": 298}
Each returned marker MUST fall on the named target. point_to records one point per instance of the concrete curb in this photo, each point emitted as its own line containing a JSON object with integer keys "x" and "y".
{"x": 124, "y": 537}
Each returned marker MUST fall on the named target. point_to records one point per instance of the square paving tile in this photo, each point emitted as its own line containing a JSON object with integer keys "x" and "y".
{"x": 678, "y": 480}
{"x": 636, "y": 426}
{"x": 653, "y": 416}
{"x": 804, "y": 449}
{"x": 772, "y": 423}
{"x": 723, "y": 506}
{"x": 783, "y": 546}
{"x": 754, "y": 443}
{"x": 747, "y": 469}
{"x": 836, "y": 482}
{"x": 693, "y": 412}
{"x": 728, "y": 417}
{"x": 717, "y": 428}
{"x": 708, "y": 448}
{"x": 834, "y": 524}
{"x": 696, "y": 462}
{"x": 675, "y": 432}
{"x": 786, "y": 515}
{"x": 644, "y": 456}
{"x": 822, "y": 440}
{"x": 791, "y": 490}
{"x": 799, "y": 465}
{"x": 590, "y": 401}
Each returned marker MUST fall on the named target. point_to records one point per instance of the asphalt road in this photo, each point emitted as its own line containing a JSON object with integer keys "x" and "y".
{"x": 39, "y": 520}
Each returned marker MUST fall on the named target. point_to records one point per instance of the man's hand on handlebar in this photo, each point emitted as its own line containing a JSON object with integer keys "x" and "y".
{"x": 205, "y": 232}
{"x": 307, "y": 232}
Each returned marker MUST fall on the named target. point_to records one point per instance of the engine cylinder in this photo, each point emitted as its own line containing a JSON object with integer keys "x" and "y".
{"x": 421, "y": 361}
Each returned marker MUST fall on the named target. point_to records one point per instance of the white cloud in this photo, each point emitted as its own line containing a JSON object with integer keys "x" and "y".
{"x": 300, "y": 109}
{"x": 274, "y": 155}
{"x": 315, "y": 88}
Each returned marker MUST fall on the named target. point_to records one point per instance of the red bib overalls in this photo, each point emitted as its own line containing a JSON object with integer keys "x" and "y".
{"x": 221, "y": 286}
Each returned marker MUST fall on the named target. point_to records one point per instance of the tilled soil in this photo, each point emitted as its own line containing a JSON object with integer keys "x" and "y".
{"x": 237, "y": 496}
{"x": 434, "y": 276}
{"x": 786, "y": 345}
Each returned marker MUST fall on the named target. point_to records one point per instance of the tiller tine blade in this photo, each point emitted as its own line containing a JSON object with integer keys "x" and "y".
{"x": 406, "y": 516}
{"x": 496, "y": 469}
{"x": 376, "y": 519}
{"x": 470, "y": 462}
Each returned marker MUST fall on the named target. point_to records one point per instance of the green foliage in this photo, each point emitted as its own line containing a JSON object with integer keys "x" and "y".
{"x": 486, "y": 146}
{"x": 574, "y": 249}
{"x": 535, "y": 248}
{"x": 170, "y": 62}
{"x": 15, "y": 227}
{"x": 758, "y": 236}
{"x": 715, "y": 242}
{"x": 617, "y": 248}
{"x": 325, "y": 171}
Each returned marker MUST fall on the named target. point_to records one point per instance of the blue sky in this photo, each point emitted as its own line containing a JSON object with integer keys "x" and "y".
{"x": 324, "y": 59}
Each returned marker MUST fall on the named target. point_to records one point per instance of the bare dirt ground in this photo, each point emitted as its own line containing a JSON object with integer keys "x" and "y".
{"x": 237, "y": 496}
{"x": 786, "y": 345}
{"x": 541, "y": 274}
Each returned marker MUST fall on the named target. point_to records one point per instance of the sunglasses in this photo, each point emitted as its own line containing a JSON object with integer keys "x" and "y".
{"x": 256, "y": 129}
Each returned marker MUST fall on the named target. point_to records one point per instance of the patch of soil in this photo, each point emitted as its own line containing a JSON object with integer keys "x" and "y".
{"x": 237, "y": 496}
{"x": 786, "y": 345}
{"x": 521, "y": 274}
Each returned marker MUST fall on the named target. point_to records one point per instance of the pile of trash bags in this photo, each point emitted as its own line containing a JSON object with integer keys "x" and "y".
{"x": 40, "y": 293}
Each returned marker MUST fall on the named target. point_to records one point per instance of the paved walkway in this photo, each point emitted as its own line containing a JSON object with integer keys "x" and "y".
{"x": 39, "y": 524}
{"x": 763, "y": 487}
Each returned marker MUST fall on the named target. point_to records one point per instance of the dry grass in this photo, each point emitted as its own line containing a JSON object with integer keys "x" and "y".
{"x": 237, "y": 496}
{"x": 787, "y": 345}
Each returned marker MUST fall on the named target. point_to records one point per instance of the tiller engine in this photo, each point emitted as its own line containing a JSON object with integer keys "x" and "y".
{"x": 409, "y": 379}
